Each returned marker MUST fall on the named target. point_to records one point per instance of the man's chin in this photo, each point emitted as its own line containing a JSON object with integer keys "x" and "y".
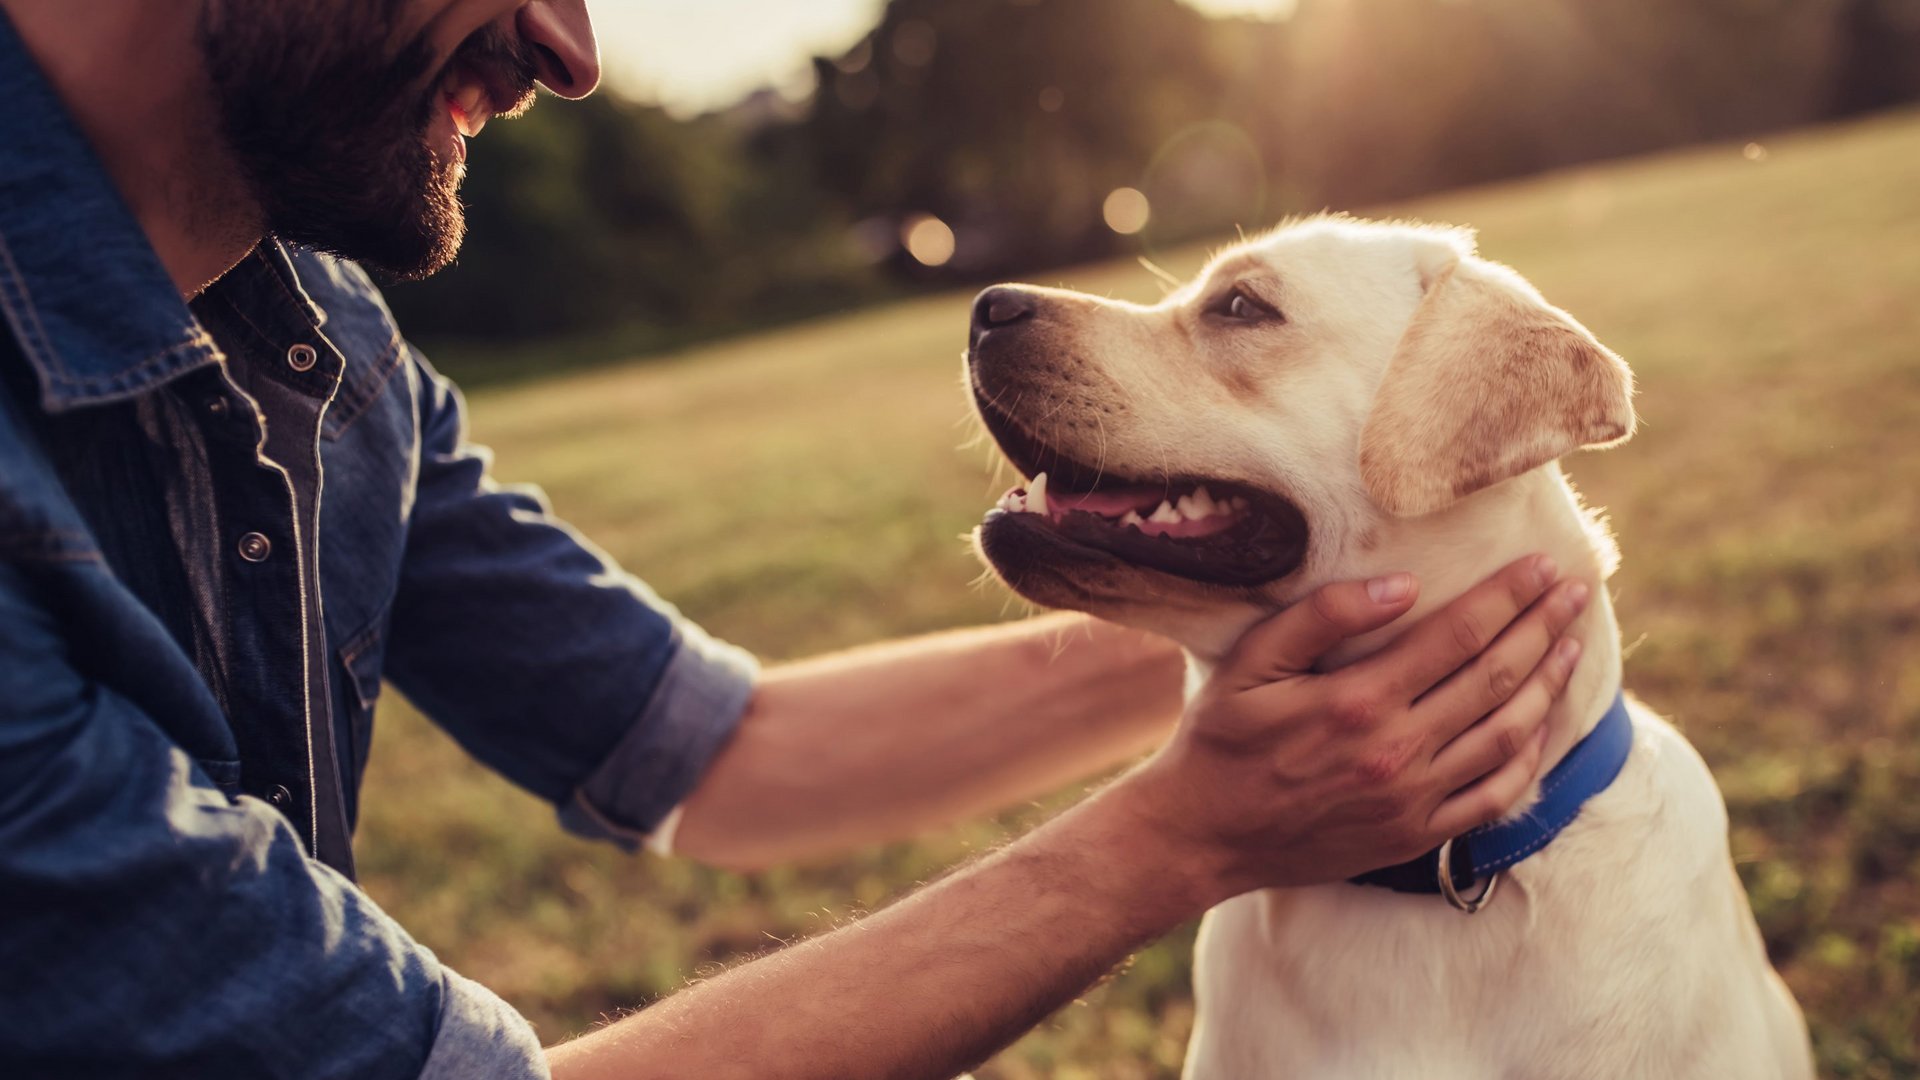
{"x": 406, "y": 246}
{"x": 433, "y": 255}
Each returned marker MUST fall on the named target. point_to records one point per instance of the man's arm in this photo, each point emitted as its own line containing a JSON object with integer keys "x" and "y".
{"x": 933, "y": 985}
{"x": 886, "y": 742}
{"x": 1276, "y": 778}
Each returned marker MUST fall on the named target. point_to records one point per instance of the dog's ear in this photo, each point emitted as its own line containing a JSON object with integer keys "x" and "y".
{"x": 1490, "y": 381}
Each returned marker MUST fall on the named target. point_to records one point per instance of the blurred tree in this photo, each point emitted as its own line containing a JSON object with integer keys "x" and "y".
{"x": 1013, "y": 120}
{"x": 561, "y": 206}
{"x": 1876, "y": 61}
{"x": 1010, "y": 119}
{"x": 605, "y": 215}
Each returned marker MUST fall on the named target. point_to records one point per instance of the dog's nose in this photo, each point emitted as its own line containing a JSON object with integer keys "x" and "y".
{"x": 1001, "y": 306}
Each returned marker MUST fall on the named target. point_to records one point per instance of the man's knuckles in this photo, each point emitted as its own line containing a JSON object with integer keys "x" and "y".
{"x": 1334, "y": 606}
{"x": 1502, "y": 678}
{"x": 1355, "y": 709}
{"x": 1385, "y": 765}
{"x": 1469, "y": 631}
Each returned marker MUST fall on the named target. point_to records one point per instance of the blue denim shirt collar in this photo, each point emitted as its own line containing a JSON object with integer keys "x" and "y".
{"x": 98, "y": 319}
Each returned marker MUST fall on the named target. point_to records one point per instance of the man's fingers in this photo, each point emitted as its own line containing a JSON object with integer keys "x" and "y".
{"x": 1496, "y": 675}
{"x": 1496, "y": 740}
{"x": 1290, "y": 642}
{"x": 1448, "y": 638}
{"x": 1485, "y": 802}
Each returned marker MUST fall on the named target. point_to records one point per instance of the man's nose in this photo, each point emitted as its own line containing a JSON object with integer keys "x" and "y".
{"x": 561, "y": 33}
{"x": 1000, "y": 307}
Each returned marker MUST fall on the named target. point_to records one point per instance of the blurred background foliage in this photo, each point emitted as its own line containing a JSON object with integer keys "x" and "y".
{"x": 1001, "y": 127}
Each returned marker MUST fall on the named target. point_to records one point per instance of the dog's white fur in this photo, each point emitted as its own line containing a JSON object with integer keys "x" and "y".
{"x": 1412, "y": 405}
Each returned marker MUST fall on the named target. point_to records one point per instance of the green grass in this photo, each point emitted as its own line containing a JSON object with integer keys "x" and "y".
{"x": 805, "y": 489}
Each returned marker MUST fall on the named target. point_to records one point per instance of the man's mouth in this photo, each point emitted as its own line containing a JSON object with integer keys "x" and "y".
{"x": 1212, "y": 530}
{"x": 470, "y": 109}
{"x": 478, "y": 87}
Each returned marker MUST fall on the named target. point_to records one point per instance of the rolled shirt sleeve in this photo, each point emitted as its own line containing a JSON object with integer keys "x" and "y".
{"x": 480, "y": 1035}
{"x": 633, "y": 797}
{"x": 541, "y": 656}
{"x": 156, "y": 927}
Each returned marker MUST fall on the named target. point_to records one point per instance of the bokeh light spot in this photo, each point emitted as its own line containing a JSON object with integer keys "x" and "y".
{"x": 1127, "y": 211}
{"x": 928, "y": 239}
{"x": 1053, "y": 99}
{"x": 1754, "y": 152}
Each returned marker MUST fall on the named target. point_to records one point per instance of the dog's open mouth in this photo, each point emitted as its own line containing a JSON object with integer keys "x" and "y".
{"x": 1210, "y": 530}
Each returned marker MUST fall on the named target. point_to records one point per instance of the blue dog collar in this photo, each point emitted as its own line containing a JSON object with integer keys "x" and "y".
{"x": 1587, "y": 770}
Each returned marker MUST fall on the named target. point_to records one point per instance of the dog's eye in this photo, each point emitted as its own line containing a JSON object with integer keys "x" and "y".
{"x": 1242, "y": 306}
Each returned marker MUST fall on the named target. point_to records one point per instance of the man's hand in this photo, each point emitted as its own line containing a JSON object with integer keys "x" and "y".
{"x": 1276, "y": 777}
{"x": 1279, "y": 776}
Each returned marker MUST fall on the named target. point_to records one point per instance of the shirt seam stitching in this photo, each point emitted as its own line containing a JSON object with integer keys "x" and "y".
{"x": 38, "y": 343}
{"x": 359, "y": 402}
{"x": 387, "y": 363}
{"x": 308, "y": 307}
{"x": 31, "y": 329}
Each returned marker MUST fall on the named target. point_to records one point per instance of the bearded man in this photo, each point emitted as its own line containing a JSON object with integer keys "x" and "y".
{"x": 234, "y": 500}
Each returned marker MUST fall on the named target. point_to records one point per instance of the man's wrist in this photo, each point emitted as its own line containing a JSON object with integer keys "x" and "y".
{"x": 1169, "y": 874}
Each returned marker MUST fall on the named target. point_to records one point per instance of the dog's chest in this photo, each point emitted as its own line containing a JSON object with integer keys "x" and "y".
{"x": 1586, "y": 941}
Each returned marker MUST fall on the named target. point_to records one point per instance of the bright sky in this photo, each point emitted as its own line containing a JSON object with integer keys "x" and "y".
{"x": 700, "y": 54}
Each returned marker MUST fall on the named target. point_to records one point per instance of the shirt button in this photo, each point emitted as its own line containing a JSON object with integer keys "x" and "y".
{"x": 302, "y": 357}
{"x": 280, "y": 797}
{"x": 255, "y": 548}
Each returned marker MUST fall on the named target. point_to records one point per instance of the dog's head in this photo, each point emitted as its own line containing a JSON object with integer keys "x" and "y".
{"x": 1195, "y": 464}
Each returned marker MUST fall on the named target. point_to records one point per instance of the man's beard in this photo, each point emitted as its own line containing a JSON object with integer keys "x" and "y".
{"x": 328, "y": 120}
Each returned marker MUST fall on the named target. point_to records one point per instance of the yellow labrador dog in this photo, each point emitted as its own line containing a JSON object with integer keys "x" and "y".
{"x": 1334, "y": 401}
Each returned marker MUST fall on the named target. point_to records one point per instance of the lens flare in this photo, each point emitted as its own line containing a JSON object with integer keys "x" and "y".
{"x": 1127, "y": 211}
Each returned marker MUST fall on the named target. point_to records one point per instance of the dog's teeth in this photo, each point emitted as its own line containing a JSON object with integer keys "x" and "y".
{"x": 1133, "y": 518}
{"x": 1188, "y": 508}
{"x": 1015, "y": 501}
{"x": 1203, "y": 504}
{"x": 1037, "y": 495}
{"x": 1165, "y": 515}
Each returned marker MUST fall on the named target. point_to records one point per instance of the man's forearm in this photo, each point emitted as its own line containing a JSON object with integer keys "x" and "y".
{"x": 889, "y": 741}
{"x": 1273, "y": 780}
{"x": 933, "y": 985}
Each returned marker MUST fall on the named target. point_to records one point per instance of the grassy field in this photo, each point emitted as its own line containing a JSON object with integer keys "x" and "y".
{"x": 804, "y": 490}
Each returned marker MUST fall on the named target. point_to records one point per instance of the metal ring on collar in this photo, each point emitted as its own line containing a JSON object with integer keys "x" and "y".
{"x": 1462, "y": 904}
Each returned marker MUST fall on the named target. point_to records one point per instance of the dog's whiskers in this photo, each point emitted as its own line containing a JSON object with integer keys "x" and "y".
{"x": 1100, "y": 461}
{"x": 1168, "y": 281}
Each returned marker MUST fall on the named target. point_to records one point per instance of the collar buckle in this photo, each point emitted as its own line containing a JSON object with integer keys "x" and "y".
{"x": 1462, "y": 904}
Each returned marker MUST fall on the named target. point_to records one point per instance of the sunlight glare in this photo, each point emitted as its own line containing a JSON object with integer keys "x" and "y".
{"x": 1259, "y": 9}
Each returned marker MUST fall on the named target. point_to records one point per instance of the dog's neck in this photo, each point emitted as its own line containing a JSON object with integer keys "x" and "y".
{"x": 1457, "y": 548}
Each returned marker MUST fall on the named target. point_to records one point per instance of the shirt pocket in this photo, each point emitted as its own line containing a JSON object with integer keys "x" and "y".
{"x": 224, "y": 774}
{"x": 362, "y": 658}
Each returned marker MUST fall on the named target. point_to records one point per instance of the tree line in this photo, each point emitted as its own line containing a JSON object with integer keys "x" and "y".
{"x": 1010, "y": 124}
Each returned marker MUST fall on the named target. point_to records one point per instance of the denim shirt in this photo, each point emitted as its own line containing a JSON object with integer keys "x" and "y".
{"x": 221, "y": 527}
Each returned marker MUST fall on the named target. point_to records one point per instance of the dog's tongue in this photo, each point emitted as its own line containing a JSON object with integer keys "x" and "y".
{"x": 1109, "y": 503}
